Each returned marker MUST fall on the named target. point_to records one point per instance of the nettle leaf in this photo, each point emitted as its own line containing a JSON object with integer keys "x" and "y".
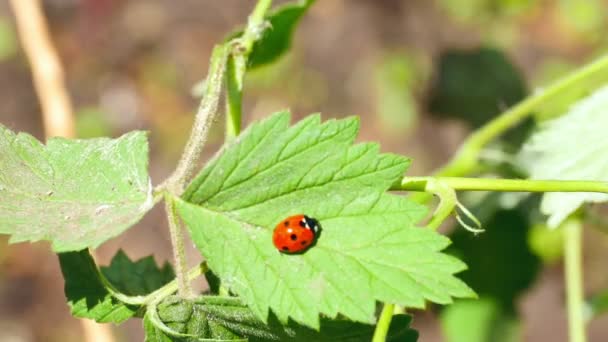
{"x": 86, "y": 293}
{"x": 571, "y": 147}
{"x": 137, "y": 278}
{"x": 228, "y": 318}
{"x": 368, "y": 250}
{"x": 75, "y": 193}
{"x": 276, "y": 40}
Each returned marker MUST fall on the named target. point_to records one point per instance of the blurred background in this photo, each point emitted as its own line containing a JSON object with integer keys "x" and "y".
{"x": 421, "y": 74}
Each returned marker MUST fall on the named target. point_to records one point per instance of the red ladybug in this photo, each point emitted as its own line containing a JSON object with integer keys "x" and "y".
{"x": 295, "y": 234}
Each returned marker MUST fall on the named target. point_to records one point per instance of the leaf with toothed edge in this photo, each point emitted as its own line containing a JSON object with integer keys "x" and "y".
{"x": 369, "y": 248}
{"x": 75, "y": 193}
{"x": 227, "y": 318}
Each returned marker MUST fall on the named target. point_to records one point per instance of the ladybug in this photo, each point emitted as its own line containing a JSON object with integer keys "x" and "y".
{"x": 295, "y": 234}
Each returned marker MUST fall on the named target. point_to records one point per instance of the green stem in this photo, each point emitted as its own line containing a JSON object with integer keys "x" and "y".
{"x": 179, "y": 253}
{"x": 512, "y": 185}
{"x": 234, "y": 95}
{"x": 237, "y": 66}
{"x": 466, "y": 159}
{"x": 384, "y": 323}
{"x": 574, "y": 279}
{"x": 172, "y": 286}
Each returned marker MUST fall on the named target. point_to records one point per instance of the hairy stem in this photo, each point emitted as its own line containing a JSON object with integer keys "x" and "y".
{"x": 465, "y": 160}
{"x": 574, "y": 279}
{"x": 384, "y": 323}
{"x": 202, "y": 123}
{"x": 179, "y": 253}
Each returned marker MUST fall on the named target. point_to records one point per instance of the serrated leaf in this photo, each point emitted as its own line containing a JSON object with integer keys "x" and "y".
{"x": 86, "y": 294}
{"x": 571, "y": 147}
{"x": 137, "y": 278}
{"x": 368, "y": 250}
{"x": 276, "y": 40}
{"x": 216, "y": 318}
{"x": 75, "y": 193}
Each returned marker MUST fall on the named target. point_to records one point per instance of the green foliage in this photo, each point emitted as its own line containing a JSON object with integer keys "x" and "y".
{"x": 368, "y": 250}
{"x": 75, "y": 193}
{"x": 136, "y": 278}
{"x": 87, "y": 294}
{"x": 481, "y": 320}
{"x": 570, "y": 147}
{"x": 276, "y": 40}
{"x": 597, "y": 305}
{"x": 547, "y": 243}
{"x": 503, "y": 246}
{"x": 227, "y": 318}
{"x": 475, "y": 85}
{"x": 91, "y": 296}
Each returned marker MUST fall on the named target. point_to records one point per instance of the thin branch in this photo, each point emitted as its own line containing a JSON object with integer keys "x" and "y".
{"x": 46, "y": 69}
{"x": 507, "y": 185}
{"x": 384, "y": 323}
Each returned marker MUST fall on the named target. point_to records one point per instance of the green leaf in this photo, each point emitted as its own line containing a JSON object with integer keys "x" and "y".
{"x": 276, "y": 40}
{"x": 86, "y": 293}
{"x": 571, "y": 147}
{"x": 369, "y": 248}
{"x": 137, "y": 278}
{"x": 492, "y": 324}
{"x": 217, "y": 318}
{"x": 75, "y": 193}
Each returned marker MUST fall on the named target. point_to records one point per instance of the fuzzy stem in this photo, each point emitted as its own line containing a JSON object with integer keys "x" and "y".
{"x": 179, "y": 253}
{"x": 384, "y": 323}
{"x": 203, "y": 120}
{"x": 574, "y": 279}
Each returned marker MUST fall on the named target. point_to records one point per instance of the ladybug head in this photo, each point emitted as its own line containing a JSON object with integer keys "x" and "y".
{"x": 312, "y": 224}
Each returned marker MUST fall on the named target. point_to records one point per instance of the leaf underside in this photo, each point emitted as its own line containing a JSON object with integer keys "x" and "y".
{"x": 75, "y": 193}
{"x": 571, "y": 147}
{"x": 368, "y": 249}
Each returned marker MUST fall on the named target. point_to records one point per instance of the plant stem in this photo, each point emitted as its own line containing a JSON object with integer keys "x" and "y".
{"x": 384, "y": 322}
{"x": 173, "y": 286}
{"x": 466, "y": 159}
{"x": 237, "y": 66}
{"x": 202, "y": 123}
{"x": 574, "y": 281}
{"x": 513, "y": 185}
{"x": 179, "y": 253}
{"x": 234, "y": 95}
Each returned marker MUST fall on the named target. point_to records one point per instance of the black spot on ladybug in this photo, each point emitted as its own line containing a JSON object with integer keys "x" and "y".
{"x": 294, "y": 237}
{"x": 303, "y": 223}
{"x": 285, "y": 248}
{"x": 303, "y": 242}
{"x": 286, "y": 223}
